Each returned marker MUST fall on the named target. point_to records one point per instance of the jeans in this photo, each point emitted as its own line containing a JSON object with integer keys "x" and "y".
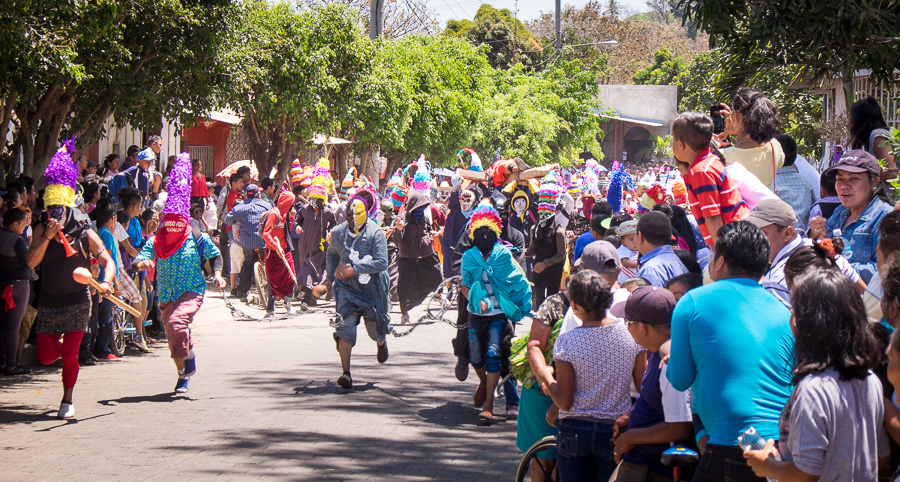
{"x": 104, "y": 329}
{"x": 90, "y": 336}
{"x": 245, "y": 279}
{"x": 511, "y": 391}
{"x": 584, "y": 450}
{"x": 725, "y": 463}
{"x": 485, "y": 336}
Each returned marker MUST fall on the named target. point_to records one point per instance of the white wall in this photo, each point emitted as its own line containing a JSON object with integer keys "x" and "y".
{"x": 647, "y": 102}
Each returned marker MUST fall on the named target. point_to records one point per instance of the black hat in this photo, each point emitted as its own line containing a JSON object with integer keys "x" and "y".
{"x": 648, "y": 304}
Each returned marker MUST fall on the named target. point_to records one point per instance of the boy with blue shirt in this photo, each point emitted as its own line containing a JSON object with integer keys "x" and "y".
{"x": 732, "y": 345}
{"x": 659, "y": 263}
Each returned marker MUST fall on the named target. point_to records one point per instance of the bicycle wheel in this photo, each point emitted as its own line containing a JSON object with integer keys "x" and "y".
{"x": 119, "y": 320}
{"x": 523, "y": 473}
{"x": 262, "y": 283}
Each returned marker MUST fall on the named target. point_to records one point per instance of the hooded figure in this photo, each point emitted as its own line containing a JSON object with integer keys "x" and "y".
{"x": 460, "y": 205}
{"x": 521, "y": 218}
{"x": 279, "y": 263}
{"x": 418, "y": 265}
{"x": 313, "y": 222}
{"x": 356, "y": 268}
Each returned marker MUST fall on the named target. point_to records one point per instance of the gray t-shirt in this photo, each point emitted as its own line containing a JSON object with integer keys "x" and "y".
{"x": 833, "y": 428}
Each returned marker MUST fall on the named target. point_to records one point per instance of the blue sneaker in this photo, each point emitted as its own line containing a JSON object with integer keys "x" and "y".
{"x": 190, "y": 365}
{"x": 182, "y": 385}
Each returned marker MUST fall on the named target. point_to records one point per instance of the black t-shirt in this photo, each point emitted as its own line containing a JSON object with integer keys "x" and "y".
{"x": 13, "y": 250}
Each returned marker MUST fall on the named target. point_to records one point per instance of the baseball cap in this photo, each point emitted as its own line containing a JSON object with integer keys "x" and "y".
{"x": 93, "y": 164}
{"x": 856, "y": 160}
{"x": 628, "y": 227}
{"x": 146, "y": 154}
{"x": 619, "y": 218}
{"x": 252, "y": 188}
{"x": 772, "y": 211}
{"x": 599, "y": 256}
{"x": 132, "y": 150}
{"x": 648, "y": 304}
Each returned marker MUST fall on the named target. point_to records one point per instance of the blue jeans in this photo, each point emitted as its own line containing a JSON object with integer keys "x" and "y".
{"x": 584, "y": 450}
{"x": 485, "y": 336}
{"x": 104, "y": 329}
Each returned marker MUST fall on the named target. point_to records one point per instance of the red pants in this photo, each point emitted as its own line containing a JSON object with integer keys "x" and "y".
{"x": 50, "y": 349}
{"x": 177, "y": 316}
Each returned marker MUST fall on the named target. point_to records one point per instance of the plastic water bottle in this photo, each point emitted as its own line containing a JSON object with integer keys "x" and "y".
{"x": 752, "y": 440}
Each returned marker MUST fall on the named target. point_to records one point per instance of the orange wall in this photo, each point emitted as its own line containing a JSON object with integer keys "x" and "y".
{"x": 215, "y": 135}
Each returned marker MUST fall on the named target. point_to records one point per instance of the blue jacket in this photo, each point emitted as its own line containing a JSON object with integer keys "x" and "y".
{"x": 861, "y": 236}
{"x": 511, "y": 288}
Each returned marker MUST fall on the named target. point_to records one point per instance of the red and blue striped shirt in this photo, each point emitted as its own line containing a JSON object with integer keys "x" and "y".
{"x": 712, "y": 193}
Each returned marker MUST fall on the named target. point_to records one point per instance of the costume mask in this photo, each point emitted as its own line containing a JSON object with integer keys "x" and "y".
{"x": 467, "y": 201}
{"x": 357, "y": 215}
{"x": 519, "y": 206}
{"x": 484, "y": 239}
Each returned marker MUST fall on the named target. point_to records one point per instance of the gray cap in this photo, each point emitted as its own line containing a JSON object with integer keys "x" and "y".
{"x": 600, "y": 256}
{"x": 626, "y": 228}
{"x": 772, "y": 211}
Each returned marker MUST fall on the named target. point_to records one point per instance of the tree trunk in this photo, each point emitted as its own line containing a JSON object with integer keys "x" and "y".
{"x": 847, "y": 81}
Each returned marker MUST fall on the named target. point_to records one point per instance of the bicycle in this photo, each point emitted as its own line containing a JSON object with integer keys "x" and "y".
{"x": 678, "y": 456}
{"x": 524, "y": 470}
{"x": 439, "y": 303}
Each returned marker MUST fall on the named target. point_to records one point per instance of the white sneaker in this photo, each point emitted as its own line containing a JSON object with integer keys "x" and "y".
{"x": 66, "y": 410}
{"x": 289, "y": 306}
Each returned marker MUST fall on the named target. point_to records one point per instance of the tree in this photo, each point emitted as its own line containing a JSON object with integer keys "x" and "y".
{"x": 401, "y": 18}
{"x": 508, "y": 40}
{"x": 295, "y": 74}
{"x": 67, "y": 66}
{"x": 612, "y": 9}
{"x": 824, "y": 39}
{"x": 662, "y": 9}
{"x": 542, "y": 117}
{"x": 667, "y": 69}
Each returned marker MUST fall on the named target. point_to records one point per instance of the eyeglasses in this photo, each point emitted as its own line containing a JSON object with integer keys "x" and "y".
{"x": 631, "y": 322}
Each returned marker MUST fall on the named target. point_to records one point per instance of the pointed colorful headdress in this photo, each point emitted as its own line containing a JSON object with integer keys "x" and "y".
{"x": 178, "y": 190}
{"x": 349, "y": 180}
{"x": 485, "y": 216}
{"x": 422, "y": 180}
{"x": 474, "y": 162}
{"x": 395, "y": 179}
{"x": 548, "y": 195}
{"x": 320, "y": 180}
{"x": 307, "y": 176}
{"x": 296, "y": 173}
{"x": 61, "y": 177}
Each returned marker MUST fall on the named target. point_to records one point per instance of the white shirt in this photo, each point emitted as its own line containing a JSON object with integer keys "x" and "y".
{"x": 676, "y": 405}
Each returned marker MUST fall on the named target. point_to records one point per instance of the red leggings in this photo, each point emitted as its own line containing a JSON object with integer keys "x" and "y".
{"x": 50, "y": 349}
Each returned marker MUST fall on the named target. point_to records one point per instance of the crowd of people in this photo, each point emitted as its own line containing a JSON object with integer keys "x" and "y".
{"x": 736, "y": 289}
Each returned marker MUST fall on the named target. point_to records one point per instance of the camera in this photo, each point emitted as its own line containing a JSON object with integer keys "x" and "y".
{"x": 715, "y": 111}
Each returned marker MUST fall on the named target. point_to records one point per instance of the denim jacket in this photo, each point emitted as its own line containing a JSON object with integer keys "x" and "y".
{"x": 861, "y": 236}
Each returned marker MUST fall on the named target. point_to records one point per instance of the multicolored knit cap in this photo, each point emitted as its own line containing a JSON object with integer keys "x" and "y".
{"x": 61, "y": 177}
{"x": 349, "y": 180}
{"x": 296, "y": 173}
{"x": 178, "y": 190}
{"x": 320, "y": 180}
{"x": 548, "y": 195}
{"x": 485, "y": 216}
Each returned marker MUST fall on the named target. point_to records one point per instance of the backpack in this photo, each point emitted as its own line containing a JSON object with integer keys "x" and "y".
{"x": 262, "y": 226}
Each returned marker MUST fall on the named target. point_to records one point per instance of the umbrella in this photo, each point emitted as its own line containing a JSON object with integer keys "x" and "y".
{"x": 234, "y": 166}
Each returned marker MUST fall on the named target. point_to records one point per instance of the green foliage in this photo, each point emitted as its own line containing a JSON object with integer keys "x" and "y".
{"x": 508, "y": 40}
{"x": 663, "y": 146}
{"x": 667, "y": 69}
{"x": 823, "y": 38}
{"x": 67, "y": 66}
{"x": 542, "y": 117}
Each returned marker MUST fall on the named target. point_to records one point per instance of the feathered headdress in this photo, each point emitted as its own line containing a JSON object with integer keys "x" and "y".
{"x": 591, "y": 182}
{"x": 679, "y": 193}
{"x": 474, "y": 162}
{"x": 349, "y": 180}
{"x": 485, "y": 216}
{"x": 398, "y": 196}
{"x": 575, "y": 186}
{"x": 619, "y": 180}
{"x": 548, "y": 195}
{"x": 307, "y": 176}
{"x": 321, "y": 180}
{"x": 61, "y": 177}
{"x": 296, "y": 173}
{"x": 178, "y": 190}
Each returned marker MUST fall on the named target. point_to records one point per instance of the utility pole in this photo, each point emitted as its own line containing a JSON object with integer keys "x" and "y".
{"x": 558, "y": 27}
{"x": 376, "y": 19}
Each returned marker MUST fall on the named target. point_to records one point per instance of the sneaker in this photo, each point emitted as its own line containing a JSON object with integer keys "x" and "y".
{"x": 233, "y": 294}
{"x": 85, "y": 362}
{"x": 304, "y": 306}
{"x": 182, "y": 385}
{"x": 109, "y": 357}
{"x": 269, "y": 315}
{"x": 462, "y": 369}
{"x": 17, "y": 370}
{"x": 382, "y": 352}
{"x": 345, "y": 381}
{"x": 289, "y": 307}
{"x": 138, "y": 343}
{"x": 512, "y": 412}
{"x": 190, "y": 365}
{"x": 404, "y": 319}
{"x": 66, "y": 410}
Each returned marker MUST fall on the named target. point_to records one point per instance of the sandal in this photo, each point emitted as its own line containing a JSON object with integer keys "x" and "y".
{"x": 486, "y": 417}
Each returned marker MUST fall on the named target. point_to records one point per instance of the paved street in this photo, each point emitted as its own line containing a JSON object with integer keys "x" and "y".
{"x": 264, "y": 404}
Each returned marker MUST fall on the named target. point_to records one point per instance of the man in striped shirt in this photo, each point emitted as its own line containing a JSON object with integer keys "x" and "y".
{"x": 714, "y": 199}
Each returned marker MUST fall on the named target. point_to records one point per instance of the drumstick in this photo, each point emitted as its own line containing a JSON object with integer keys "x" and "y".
{"x": 125, "y": 306}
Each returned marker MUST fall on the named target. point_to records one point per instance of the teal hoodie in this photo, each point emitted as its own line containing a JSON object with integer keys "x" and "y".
{"x": 511, "y": 288}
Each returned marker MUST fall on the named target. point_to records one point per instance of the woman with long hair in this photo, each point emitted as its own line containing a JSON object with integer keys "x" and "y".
{"x": 868, "y": 130}
{"x": 835, "y": 390}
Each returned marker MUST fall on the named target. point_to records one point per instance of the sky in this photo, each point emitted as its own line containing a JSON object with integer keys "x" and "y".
{"x": 527, "y": 9}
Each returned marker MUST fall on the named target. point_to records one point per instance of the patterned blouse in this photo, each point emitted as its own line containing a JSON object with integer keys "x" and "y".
{"x": 181, "y": 272}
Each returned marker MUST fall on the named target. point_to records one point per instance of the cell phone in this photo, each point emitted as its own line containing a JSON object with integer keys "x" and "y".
{"x": 717, "y": 118}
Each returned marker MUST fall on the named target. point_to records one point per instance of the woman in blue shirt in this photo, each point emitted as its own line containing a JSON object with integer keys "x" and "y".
{"x": 856, "y": 220}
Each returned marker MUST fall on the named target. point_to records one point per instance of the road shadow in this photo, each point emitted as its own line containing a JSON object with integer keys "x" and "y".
{"x": 165, "y": 397}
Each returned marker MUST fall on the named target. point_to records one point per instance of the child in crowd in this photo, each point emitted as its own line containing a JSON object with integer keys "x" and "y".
{"x": 595, "y": 366}
{"x": 628, "y": 252}
{"x": 831, "y": 427}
